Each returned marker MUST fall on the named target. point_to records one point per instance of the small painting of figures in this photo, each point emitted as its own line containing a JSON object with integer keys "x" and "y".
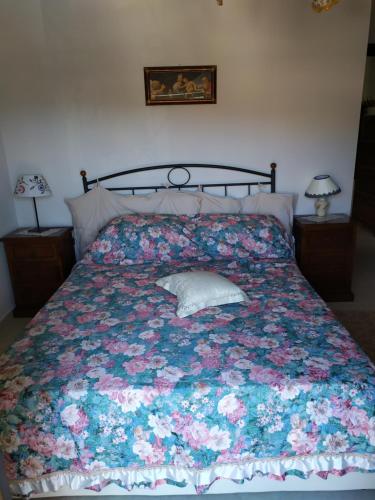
{"x": 180, "y": 85}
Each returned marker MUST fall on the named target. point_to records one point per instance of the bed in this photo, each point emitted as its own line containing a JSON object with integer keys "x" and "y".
{"x": 109, "y": 389}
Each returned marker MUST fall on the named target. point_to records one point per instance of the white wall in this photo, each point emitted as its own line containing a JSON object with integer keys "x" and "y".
{"x": 8, "y": 222}
{"x": 72, "y": 96}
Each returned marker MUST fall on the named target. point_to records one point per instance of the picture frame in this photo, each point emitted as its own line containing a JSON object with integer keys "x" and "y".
{"x": 166, "y": 85}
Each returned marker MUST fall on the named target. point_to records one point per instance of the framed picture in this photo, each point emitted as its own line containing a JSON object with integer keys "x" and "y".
{"x": 180, "y": 85}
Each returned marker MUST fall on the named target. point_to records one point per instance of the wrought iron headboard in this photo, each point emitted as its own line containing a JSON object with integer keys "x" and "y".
{"x": 271, "y": 178}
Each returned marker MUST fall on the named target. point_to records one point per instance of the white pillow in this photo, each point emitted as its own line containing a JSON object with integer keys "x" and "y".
{"x": 211, "y": 204}
{"x": 249, "y": 204}
{"x": 169, "y": 201}
{"x": 93, "y": 210}
{"x": 90, "y": 212}
{"x": 200, "y": 289}
{"x": 279, "y": 205}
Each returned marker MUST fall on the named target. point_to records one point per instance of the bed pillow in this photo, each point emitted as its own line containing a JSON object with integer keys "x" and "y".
{"x": 200, "y": 289}
{"x": 211, "y": 204}
{"x": 279, "y": 205}
{"x": 169, "y": 201}
{"x": 241, "y": 237}
{"x": 137, "y": 239}
{"x": 91, "y": 211}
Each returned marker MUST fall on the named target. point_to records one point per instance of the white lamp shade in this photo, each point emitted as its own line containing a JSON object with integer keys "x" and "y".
{"x": 320, "y": 186}
{"x": 32, "y": 186}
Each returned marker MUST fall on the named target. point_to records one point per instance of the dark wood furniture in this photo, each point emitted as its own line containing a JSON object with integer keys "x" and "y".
{"x": 38, "y": 265}
{"x": 324, "y": 253}
{"x": 364, "y": 178}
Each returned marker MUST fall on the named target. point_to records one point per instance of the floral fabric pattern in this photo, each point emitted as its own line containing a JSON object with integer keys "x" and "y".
{"x": 108, "y": 377}
{"x": 137, "y": 239}
{"x": 242, "y": 237}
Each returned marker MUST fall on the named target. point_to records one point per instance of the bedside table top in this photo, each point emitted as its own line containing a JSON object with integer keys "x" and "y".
{"x": 21, "y": 233}
{"x": 305, "y": 220}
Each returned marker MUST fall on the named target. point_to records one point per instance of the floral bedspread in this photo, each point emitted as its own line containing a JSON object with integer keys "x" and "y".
{"x": 106, "y": 387}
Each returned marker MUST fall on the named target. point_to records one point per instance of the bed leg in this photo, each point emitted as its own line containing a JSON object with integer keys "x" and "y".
{"x": 4, "y": 487}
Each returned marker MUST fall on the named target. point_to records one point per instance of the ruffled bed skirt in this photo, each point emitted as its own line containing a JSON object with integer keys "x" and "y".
{"x": 201, "y": 479}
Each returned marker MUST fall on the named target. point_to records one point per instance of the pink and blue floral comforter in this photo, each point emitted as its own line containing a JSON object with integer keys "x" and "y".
{"x": 108, "y": 385}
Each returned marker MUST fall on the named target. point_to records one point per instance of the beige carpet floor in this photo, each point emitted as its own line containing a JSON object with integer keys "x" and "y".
{"x": 10, "y": 329}
{"x": 363, "y": 284}
{"x": 361, "y": 325}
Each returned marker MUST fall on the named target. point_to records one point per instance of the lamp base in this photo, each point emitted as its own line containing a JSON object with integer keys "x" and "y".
{"x": 321, "y": 206}
{"x": 38, "y": 229}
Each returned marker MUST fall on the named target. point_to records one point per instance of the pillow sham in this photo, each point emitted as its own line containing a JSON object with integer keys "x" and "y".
{"x": 92, "y": 210}
{"x": 211, "y": 204}
{"x": 173, "y": 202}
{"x": 242, "y": 237}
{"x": 197, "y": 290}
{"x": 279, "y": 205}
{"x": 137, "y": 239}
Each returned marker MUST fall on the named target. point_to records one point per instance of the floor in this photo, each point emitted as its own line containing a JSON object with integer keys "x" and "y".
{"x": 364, "y": 292}
{"x": 10, "y": 329}
{"x": 363, "y": 275}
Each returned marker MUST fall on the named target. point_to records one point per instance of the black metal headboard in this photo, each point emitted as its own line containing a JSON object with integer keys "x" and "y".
{"x": 270, "y": 176}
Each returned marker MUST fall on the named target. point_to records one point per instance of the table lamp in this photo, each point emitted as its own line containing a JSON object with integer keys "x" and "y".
{"x": 320, "y": 188}
{"x": 33, "y": 186}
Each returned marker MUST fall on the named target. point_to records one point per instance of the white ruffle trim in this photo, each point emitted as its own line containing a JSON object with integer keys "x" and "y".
{"x": 238, "y": 471}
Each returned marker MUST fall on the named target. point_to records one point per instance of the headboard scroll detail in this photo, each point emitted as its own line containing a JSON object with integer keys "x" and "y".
{"x": 173, "y": 169}
{"x": 269, "y": 176}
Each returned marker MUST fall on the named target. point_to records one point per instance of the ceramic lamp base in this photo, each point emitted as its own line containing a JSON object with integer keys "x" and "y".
{"x": 321, "y": 206}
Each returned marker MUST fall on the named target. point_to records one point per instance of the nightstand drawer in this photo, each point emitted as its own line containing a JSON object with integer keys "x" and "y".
{"x": 27, "y": 252}
{"x": 38, "y": 265}
{"x": 31, "y": 271}
{"x": 324, "y": 264}
{"x": 327, "y": 241}
{"x": 29, "y": 296}
{"x": 334, "y": 277}
{"x": 324, "y": 253}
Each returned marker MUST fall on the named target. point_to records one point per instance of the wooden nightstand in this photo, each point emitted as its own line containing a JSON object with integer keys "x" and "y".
{"x": 324, "y": 253}
{"x": 38, "y": 265}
